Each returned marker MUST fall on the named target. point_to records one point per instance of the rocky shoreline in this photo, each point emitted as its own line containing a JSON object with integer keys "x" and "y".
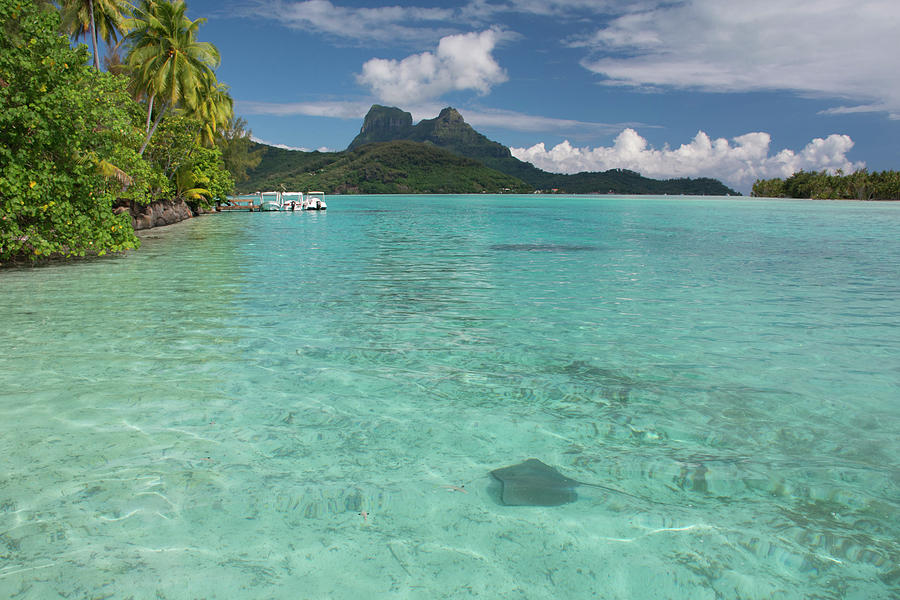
{"x": 156, "y": 214}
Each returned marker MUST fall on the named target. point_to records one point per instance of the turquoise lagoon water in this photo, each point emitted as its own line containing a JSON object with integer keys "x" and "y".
{"x": 209, "y": 416}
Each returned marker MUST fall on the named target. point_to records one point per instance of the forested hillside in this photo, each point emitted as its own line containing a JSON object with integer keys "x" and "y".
{"x": 426, "y": 171}
{"x": 381, "y": 168}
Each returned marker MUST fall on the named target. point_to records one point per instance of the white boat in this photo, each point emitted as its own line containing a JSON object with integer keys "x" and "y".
{"x": 282, "y": 201}
{"x": 314, "y": 201}
{"x": 291, "y": 201}
{"x": 269, "y": 201}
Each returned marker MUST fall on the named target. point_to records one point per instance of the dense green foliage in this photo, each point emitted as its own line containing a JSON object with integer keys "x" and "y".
{"x": 238, "y": 152}
{"x": 72, "y": 138}
{"x": 209, "y": 174}
{"x": 859, "y": 185}
{"x": 186, "y": 165}
{"x": 62, "y": 126}
{"x": 382, "y": 168}
{"x": 449, "y": 131}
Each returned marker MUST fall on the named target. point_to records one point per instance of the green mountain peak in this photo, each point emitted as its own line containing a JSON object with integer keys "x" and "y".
{"x": 391, "y": 155}
{"x": 448, "y": 130}
{"x": 383, "y": 124}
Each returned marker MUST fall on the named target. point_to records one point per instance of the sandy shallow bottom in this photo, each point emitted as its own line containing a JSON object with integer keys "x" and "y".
{"x": 309, "y": 406}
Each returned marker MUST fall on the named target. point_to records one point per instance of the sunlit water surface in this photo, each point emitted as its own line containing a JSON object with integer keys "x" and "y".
{"x": 274, "y": 405}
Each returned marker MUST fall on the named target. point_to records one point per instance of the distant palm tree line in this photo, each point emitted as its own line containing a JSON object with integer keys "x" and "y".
{"x": 169, "y": 68}
{"x": 859, "y": 185}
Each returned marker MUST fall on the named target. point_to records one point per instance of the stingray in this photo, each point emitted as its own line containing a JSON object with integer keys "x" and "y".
{"x": 532, "y": 483}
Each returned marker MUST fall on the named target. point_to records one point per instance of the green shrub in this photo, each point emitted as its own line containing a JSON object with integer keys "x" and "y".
{"x": 67, "y": 144}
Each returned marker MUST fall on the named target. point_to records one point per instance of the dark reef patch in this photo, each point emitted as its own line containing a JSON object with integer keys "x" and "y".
{"x": 544, "y": 247}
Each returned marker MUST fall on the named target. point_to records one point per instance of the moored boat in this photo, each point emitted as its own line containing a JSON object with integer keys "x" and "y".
{"x": 314, "y": 201}
{"x": 292, "y": 201}
{"x": 288, "y": 201}
{"x": 269, "y": 201}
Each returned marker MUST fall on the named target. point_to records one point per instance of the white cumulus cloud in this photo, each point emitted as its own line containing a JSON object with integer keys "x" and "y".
{"x": 738, "y": 162}
{"x": 461, "y": 62}
{"x": 334, "y": 109}
{"x": 379, "y": 23}
{"x": 845, "y": 49}
{"x": 286, "y": 147}
{"x": 488, "y": 8}
{"x": 518, "y": 121}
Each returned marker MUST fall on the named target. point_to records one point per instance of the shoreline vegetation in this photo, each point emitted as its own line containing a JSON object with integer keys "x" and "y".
{"x": 89, "y": 155}
{"x": 859, "y": 185}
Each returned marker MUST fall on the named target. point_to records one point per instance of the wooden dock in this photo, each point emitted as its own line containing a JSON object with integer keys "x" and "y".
{"x": 238, "y": 205}
{"x": 274, "y": 201}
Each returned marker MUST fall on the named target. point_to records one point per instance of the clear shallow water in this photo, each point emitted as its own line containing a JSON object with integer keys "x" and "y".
{"x": 207, "y": 417}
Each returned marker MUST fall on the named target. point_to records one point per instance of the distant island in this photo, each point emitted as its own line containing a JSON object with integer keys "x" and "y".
{"x": 859, "y": 185}
{"x": 441, "y": 155}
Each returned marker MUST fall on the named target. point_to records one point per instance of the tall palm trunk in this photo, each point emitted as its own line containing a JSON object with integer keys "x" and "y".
{"x": 94, "y": 36}
{"x": 152, "y": 131}
{"x": 149, "y": 112}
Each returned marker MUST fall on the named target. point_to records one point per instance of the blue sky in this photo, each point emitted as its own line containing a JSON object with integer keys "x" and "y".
{"x": 719, "y": 88}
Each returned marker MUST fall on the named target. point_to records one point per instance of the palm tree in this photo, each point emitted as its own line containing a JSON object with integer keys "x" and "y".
{"x": 104, "y": 19}
{"x": 215, "y": 111}
{"x": 168, "y": 64}
{"x": 113, "y": 62}
{"x": 235, "y": 142}
{"x": 190, "y": 187}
